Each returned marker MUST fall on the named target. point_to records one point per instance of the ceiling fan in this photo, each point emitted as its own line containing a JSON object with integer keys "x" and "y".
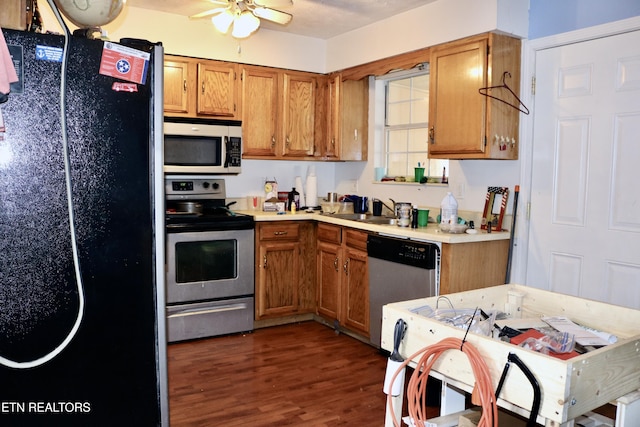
{"x": 245, "y": 15}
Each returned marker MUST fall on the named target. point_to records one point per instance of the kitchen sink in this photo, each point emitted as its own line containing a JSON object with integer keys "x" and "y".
{"x": 361, "y": 217}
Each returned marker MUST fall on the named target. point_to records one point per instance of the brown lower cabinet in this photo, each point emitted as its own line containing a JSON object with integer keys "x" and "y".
{"x": 285, "y": 269}
{"x": 343, "y": 277}
{"x": 469, "y": 266}
{"x": 305, "y": 268}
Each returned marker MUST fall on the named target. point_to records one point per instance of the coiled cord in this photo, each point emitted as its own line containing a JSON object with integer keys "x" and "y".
{"x": 74, "y": 245}
{"x": 417, "y": 386}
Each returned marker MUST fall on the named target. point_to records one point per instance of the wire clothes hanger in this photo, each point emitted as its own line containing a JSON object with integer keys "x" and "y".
{"x": 520, "y": 106}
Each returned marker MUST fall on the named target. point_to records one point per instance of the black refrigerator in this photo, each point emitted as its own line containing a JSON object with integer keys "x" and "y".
{"x": 82, "y": 330}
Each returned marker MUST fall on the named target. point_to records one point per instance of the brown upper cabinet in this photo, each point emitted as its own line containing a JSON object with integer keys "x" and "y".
{"x": 15, "y": 14}
{"x": 465, "y": 124}
{"x": 347, "y": 113}
{"x": 278, "y": 118}
{"x": 201, "y": 88}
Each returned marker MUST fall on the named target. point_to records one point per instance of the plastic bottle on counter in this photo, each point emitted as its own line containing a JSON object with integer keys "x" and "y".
{"x": 449, "y": 209}
{"x": 293, "y": 200}
{"x": 414, "y": 216}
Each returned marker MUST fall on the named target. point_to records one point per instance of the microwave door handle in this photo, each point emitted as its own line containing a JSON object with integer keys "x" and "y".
{"x": 226, "y": 151}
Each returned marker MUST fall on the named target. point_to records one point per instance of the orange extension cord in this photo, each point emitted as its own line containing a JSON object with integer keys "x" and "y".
{"x": 417, "y": 387}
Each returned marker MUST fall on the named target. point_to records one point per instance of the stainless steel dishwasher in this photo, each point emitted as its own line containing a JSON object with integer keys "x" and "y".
{"x": 399, "y": 270}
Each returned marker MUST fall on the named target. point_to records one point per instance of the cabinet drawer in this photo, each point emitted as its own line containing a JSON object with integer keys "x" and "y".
{"x": 356, "y": 239}
{"x": 279, "y": 231}
{"x": 329, "y": 233}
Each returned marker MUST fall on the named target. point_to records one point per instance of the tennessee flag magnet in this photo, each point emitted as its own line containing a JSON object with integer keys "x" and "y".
{"x": 124, "y": 63}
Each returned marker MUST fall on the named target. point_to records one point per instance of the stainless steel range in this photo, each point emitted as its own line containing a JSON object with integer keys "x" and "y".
{"x": 210, "y": 252}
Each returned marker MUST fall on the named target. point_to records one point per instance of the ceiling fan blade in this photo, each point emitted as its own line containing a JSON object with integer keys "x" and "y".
{"x": 273, "y": 3}
{"x": 272, "y": 15}
{"x": 208, "y": 13}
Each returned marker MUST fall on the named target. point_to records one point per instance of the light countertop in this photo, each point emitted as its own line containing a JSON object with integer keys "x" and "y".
{"x": 430, "y": 233}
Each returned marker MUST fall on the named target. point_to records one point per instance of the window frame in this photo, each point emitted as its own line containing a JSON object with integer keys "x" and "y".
{"x": 432, "y": 170}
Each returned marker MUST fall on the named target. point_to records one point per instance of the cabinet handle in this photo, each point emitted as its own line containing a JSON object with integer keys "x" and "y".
{"x": 184, "y": 85}
{"x": 345, "y": 267}
{"x": 431, "y": 135}
{"x": 288, "y": 142}
{"x": 280, "y": 233}
{"x": 264, "y": 261}
{"x": 333, "y": 141}
{"x": 335, "y": 264}
{"x": 273, "y": 141}
{"x": 355, "y": 135}
{"x": 203, "y": 88}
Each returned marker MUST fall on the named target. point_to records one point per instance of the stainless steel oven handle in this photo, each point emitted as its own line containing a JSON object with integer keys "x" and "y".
{"x": 196, "y": 311}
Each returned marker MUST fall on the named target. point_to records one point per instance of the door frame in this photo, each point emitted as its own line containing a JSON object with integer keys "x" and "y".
{"x": 530, "y": 49}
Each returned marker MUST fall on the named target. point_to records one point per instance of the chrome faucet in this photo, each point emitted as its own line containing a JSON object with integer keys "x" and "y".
{"x": 395, "y": 214}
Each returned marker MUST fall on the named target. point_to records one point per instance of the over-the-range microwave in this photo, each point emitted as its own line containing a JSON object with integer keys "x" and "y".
{"x": 200, "y": 146}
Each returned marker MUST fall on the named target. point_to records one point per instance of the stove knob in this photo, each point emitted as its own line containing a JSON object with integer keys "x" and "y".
{"x": 215, "y": 185}
{"x": 205, "y": 184}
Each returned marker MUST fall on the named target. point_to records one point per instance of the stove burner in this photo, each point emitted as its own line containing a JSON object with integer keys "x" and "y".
{"x": 213, "y": 212}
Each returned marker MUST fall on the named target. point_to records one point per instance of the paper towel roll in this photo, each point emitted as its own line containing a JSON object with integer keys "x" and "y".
{"x": 300, "y": 189}
{"x": 312, "y": 191}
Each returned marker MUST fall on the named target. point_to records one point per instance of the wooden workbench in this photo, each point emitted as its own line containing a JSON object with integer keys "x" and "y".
{"x": 570, "y": 388}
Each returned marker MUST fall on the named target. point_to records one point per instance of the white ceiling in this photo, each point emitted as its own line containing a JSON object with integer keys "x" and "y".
{"x": 320, "y": 19}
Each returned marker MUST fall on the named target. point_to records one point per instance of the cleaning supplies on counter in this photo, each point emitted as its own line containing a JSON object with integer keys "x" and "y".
{"x": 449, "y": 210}
{"x": 414, "y": 216}
{"x": 293, "y": 201}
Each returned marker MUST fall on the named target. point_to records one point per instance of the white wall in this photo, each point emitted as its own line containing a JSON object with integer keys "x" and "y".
{"x": 198, "y": 38}
{"x": 432, "y": 24}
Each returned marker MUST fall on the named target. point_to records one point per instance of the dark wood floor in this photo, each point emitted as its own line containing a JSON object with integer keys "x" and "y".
{"x": 301, "y": 374}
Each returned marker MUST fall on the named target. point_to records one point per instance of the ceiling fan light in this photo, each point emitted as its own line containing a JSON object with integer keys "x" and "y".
{"x": 222, "y": 21}
{"x": 244, "y": 25}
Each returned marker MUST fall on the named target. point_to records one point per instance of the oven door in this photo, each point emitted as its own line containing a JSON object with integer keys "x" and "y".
{"x": 207, "y": 265}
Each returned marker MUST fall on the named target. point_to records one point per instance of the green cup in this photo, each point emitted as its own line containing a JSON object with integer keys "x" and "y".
{"x": 419, "y": 173}
{"x": 423, "y": 217}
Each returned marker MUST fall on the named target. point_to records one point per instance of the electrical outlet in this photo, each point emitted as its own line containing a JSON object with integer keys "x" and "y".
{"x": 353, "y": 186}
{"x": 459, "y": 193}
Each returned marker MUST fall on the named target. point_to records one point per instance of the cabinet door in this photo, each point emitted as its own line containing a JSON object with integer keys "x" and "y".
{"x": 355, "y": 290}
{"x": 333, "y": 117}
{"x": 176, "y": 86}
{"x": 13, "y": 14}
{"x": 217, "y": 90}
{"x": 321, "y": 133}
{"x": 259, "y": 112}
{"x": 329, "y": 275}
{"x": 298, "y": 115}
{"x": 485, "y": 264}
{"x": 353, "y": 118}
{"x": 457, "y": 112}
{"x": 278, "y": 276}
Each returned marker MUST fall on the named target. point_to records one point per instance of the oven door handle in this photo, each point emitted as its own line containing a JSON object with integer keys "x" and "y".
{"x": 217, "y": 309}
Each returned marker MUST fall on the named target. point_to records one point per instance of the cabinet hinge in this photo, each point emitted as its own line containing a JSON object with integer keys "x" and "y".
{"x": 533, "y": 85}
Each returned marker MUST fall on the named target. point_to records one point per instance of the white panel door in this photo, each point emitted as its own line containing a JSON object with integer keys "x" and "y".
{"x": 585, "y": 195}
